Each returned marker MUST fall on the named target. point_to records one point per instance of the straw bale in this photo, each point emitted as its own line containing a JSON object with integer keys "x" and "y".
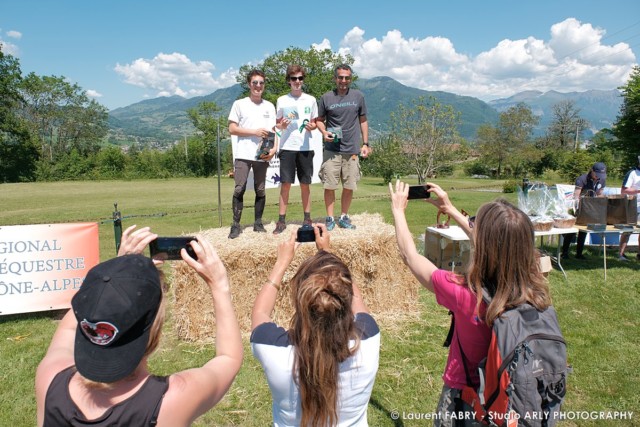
{"x": 389, "y": 289}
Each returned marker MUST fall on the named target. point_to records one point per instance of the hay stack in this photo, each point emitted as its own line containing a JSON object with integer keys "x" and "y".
{"x": 388, "y": 287}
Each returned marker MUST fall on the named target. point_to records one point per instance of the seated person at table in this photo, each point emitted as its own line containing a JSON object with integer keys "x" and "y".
{"x": 590, "y": 184}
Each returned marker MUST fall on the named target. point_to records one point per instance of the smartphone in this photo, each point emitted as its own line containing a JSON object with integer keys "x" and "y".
{"x": 418, "y": 192}
{"x": 168, "y": 248}
{"x": 306, "y": 234}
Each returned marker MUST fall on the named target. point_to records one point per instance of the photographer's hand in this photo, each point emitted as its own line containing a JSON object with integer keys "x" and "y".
{"x": 323, "y": 241}
{"x": 135, "y": 241}
{"x": 399, "y": 197}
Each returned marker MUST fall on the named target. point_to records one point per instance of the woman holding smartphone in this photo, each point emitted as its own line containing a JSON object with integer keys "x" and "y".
{"x": 321, "y": 369}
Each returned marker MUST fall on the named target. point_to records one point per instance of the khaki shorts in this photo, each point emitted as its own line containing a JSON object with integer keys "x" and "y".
{"x": 340, "y": 168}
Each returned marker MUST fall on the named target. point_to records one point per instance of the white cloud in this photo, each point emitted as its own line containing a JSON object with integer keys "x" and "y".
{"x": 175, "y": 74}
{"x": 8, "y": 47}
{"x": 93, "y": 93}
{"x": 575, "y": 58}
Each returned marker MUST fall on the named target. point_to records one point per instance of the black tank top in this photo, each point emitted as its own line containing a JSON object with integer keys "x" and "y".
{"x": 140, "y": 409}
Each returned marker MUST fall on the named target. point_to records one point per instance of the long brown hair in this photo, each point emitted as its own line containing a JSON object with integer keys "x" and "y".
{"x": 321, "y": 329}
{"x": 504, "y": 260}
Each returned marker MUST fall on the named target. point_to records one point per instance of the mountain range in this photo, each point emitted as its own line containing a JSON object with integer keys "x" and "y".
{"x": 161, "y": 121}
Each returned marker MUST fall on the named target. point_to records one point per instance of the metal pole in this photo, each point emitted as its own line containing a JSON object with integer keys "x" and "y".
{"x": 219, "y": 172}
{"x": 117, "y": 226}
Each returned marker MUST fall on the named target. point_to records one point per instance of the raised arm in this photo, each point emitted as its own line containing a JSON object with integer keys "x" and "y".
{"x": 193, "y": 392}
{"x": 419, "y": 265}
{"x": 266, "y": 298}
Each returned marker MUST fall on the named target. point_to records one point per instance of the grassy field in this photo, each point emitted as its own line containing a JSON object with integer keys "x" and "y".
{"x": 599, "y": 319}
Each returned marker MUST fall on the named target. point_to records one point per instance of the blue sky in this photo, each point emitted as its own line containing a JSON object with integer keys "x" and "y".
{"x": 123, "y": 52}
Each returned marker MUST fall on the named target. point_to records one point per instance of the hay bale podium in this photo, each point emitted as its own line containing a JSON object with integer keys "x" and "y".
{"x": 371, "y": 253}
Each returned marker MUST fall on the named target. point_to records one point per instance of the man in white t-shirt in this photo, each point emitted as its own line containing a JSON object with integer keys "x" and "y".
{"x": 631, "y": 187}
{"x": 251, "y": 119}
{"x": 296, "y": 114}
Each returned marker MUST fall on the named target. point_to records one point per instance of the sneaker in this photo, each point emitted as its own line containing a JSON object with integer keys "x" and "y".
{"x": 345, "y": 222}
{"x": 235, "y": 231}
{"x": 564, "y": 256}
{"x": 280, "y": 226}
{"x": 623, "y": 258}
{"x": 330, "y": 223}
{"x": 258, "y": 227}
{"x": 307, "y": 222}
{"x": 638, "y": 256}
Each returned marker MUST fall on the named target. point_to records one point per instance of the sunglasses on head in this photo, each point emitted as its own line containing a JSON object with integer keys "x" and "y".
{"x": 294, "y": 78}
{"x": 257, "y": 83}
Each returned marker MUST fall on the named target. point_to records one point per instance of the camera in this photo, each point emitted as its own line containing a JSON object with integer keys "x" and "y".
{"x": 418, "y": 192}
{"x": 168, "y": 248}
{"x": 306, "y": 234}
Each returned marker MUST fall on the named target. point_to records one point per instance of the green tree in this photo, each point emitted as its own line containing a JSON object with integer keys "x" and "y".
{"x": 507, "y": 147}
{"x": 427, "y": 131}
{"x": 18, "y": 153}
{"x": 318, "y": 64}
{"x": 387, "y": 160}
{"x": 111, "y": 163}
{"x": 62, "y": 116}
{"x": 567, "y": 125}
{"x": 212, "y": 127}
{"x": 627, "y": 126}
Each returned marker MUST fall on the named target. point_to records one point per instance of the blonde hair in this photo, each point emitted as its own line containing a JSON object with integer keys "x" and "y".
{"x": 504, "y": 260}
{"x": 321, "y": 329}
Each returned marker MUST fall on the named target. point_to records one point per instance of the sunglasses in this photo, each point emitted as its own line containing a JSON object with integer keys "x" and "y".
{"x": 257, "y": 83}
{"x": 294, "y": 78}
{"x": 346, "y": 78}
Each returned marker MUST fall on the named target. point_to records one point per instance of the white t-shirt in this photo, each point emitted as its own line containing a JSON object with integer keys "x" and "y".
{"x": 271, "y": 346}
{"x": 249, "y": 115}
{"x": 297, "y": 110}
{"x": 632, "y": 180}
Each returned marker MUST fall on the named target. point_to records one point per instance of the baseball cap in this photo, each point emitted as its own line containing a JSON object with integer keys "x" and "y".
{"x": 600, "y": 169}
{"x": 115, "y": 308}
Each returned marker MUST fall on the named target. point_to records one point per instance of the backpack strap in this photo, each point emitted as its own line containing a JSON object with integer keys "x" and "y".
{"x": 447, "y": 341}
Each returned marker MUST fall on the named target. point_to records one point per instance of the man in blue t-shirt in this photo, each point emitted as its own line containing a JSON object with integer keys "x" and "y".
{"x": 590, "y": 184}
{"x": 342, "y": 119}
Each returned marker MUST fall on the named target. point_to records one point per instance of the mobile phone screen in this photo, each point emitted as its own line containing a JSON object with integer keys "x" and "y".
{"x": 168, "y": 248}
{"x": 418, "y": 192}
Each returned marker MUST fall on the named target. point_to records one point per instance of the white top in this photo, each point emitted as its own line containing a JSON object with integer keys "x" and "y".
{"x": 455, "y": 233}
{"x": 297, "y": 110}
{"x": 249, "y": 115}
{"x": 270, "y": 345}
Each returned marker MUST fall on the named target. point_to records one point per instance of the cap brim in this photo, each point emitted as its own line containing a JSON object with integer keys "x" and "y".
{"x": 107, "y": 364}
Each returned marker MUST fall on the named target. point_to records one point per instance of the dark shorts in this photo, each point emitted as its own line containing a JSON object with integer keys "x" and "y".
{"x": 296, "y": 161}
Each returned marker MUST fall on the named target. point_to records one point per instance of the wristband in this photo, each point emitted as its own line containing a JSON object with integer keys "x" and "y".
{"x": 365, "y": 143}
{"x": 274, "y": 284}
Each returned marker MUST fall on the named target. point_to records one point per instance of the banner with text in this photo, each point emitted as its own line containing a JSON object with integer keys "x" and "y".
{"x": 273, "y": 172}
{"x": 42, "y": 266}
